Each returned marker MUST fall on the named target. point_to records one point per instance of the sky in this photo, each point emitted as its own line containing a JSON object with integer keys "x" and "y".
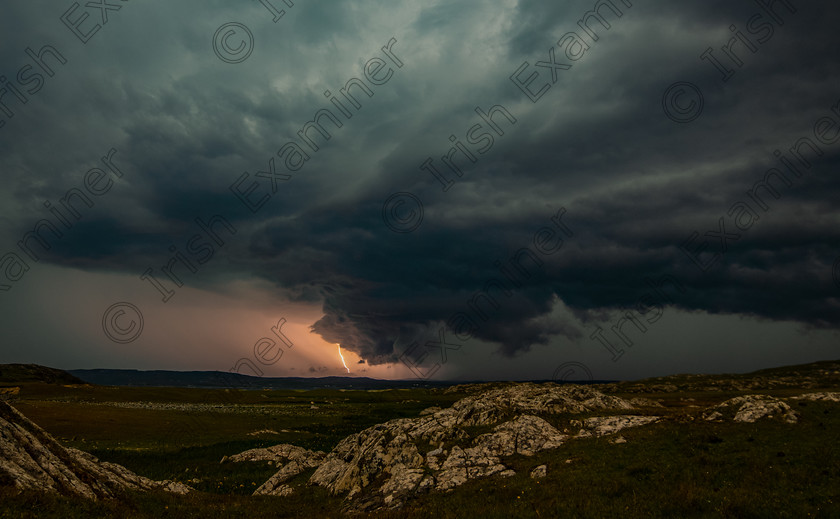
{"x": 462, "y": 190}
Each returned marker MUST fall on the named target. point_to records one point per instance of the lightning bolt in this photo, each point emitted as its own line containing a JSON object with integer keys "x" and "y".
{"x": 342, "y": 358}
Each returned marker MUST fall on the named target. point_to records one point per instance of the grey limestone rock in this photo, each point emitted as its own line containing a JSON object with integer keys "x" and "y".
{"x": 31, "y": 459}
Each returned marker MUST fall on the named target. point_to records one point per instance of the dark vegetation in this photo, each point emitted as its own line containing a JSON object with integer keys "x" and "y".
{"x": 680, "y": 467}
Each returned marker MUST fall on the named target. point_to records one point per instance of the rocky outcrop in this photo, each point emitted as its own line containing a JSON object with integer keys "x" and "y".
{"x": 292, "y": 459}
{"x": 824, "y": 374}
{"x": 602, "y": 425}
{"x": 442, "y": 448}
{"x": 279, "y": 453}
{"x": 819, "y": 397}
{"x": 31, "y": 459}
{"x": 275, "y": 486}
{"x": 525, "y": 435}
{"x": 360, "y": 458}
{"x": 389, "y": 452}
{"x": 429, "y": 410}
{"x": 750, "y": 408}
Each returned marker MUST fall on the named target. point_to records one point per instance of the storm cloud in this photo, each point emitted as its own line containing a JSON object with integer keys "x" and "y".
{"x": 574, "y": 164}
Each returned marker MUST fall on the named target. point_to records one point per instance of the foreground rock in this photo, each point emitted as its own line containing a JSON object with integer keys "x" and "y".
{"x": 293, "y": 459}
{"x": 440, "y": 449}
{"x": 750, "y": 408}
{"x": 31, "y": 459}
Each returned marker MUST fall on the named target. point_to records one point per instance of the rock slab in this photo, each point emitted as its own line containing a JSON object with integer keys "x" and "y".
{"x": 31, "y": 459}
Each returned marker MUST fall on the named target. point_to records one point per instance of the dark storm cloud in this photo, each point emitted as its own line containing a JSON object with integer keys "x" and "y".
{"x": 634, "y": 183}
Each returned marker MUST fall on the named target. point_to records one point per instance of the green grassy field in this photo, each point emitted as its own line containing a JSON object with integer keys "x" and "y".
{"x": 675, "y": 468}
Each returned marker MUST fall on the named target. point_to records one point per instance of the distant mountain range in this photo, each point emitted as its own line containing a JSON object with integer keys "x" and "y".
{"x": 11, "y": 374}
{"x": 815, "y": 374}
{"x": 220, "y": 379}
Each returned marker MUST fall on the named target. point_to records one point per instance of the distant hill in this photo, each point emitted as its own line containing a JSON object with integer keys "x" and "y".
{"x": 17, "y": 373}
{"x": 219, "y": 379}
{"x": 821, "y": 374}
{"x": 823, "y": 367}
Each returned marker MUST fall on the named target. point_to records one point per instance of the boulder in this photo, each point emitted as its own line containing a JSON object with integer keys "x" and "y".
{"x": 539, "y": 472}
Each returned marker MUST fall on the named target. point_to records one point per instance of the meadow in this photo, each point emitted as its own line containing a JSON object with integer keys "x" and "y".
{"x": 679, "y": 467}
